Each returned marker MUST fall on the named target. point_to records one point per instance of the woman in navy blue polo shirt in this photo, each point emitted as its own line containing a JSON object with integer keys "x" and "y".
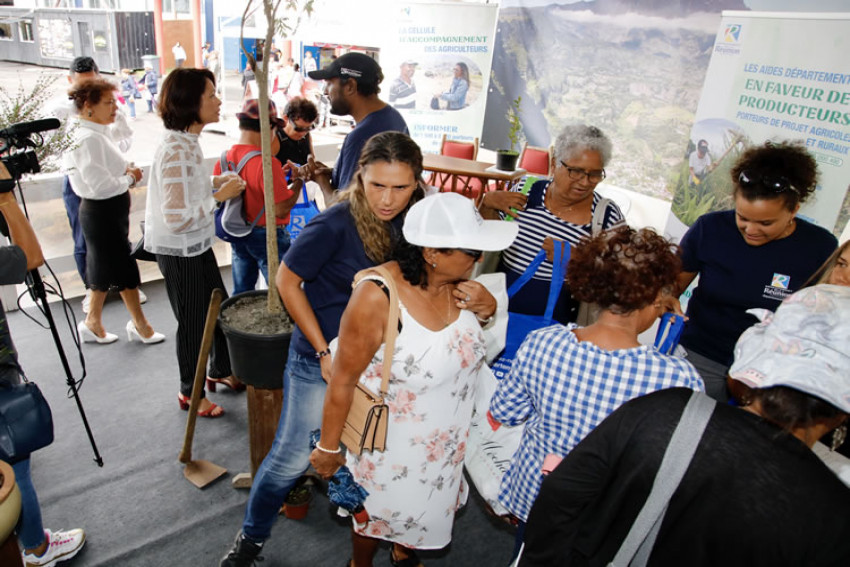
{"x": 753, "y": 256}
{"x": 314, "y": 281}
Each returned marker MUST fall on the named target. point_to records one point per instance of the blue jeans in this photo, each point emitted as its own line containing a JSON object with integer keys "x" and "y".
{"x": 30, "y": 529}
{"x": 289, "y": 457}
{"x": 72, "y": 208}
{"x": 249, "y": 258}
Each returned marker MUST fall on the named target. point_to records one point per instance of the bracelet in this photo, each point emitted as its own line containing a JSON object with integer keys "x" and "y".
{"x": 323, "y": 450}
{"x": 486, "y": 321}
{"x": 323, "y": 353}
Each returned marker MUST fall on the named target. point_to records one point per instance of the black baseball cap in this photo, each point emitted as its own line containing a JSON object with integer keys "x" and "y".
{"x": 357, "y": 66}
{"x": 84, "y": 64}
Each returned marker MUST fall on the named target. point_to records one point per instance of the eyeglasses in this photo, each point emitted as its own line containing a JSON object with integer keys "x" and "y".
{"x": 775, "y": 183}
{"x": 474, "y": 254}
{"x": 577, "y": 173}
{"x": 301, "y": 129}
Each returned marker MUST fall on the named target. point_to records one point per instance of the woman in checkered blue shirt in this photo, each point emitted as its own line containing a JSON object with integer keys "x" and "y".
{"x": 566, "y": 379}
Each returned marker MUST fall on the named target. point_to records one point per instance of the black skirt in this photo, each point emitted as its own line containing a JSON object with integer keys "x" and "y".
{"x": 106, "y": 225}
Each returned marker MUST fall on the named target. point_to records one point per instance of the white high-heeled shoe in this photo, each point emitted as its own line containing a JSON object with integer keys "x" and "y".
{"x": 132, "y": 331}
{"x": 88, "y": 336}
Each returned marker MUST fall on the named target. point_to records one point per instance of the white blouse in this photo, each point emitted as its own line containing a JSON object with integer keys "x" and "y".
{"x": 95, "y": 166}
{"x": 180, "y": 204}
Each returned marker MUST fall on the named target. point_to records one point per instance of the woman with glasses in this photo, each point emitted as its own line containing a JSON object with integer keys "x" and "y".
{"x": 296, "y": 142}
{"x": 416, "y": 484}
{"x": 753, "y": 256}
{"x": 562, "y": 209}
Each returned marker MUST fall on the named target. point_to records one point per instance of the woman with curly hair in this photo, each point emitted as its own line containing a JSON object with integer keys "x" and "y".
{"x": 102, "y": 179}
{"x": 753, "y": 256}
{"x": 567, "y": 379}
{"x": 314, "y": 281}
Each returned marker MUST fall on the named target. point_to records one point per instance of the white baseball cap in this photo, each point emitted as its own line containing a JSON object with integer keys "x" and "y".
{"x": 450, "y": 220}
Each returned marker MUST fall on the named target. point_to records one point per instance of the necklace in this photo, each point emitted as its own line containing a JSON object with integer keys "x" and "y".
{"x": 557, "y": 210}
{"x": 445, "y": 319}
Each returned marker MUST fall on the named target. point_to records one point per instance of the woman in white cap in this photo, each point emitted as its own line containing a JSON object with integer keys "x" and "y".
{"x": 754, "y": 493}
{"x": 416, "y": 484}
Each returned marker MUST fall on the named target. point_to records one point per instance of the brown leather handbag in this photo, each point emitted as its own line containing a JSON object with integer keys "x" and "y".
{"x": 366, "y": 424}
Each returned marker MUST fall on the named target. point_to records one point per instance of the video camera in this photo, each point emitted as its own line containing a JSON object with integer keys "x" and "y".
{"x": 22, "y": 137}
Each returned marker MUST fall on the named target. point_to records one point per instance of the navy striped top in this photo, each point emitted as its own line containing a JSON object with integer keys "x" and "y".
{"x": 537, "y": 222}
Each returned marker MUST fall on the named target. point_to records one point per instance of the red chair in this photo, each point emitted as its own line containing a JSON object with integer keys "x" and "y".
{"x": 536, "y": 160}
{"x": 469, "y": 187}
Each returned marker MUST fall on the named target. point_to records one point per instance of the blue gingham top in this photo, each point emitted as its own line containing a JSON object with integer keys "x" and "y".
{"x": 562, "y": 388}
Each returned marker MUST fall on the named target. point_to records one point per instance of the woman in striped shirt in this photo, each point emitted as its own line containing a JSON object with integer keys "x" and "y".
{"x": 560, "y": 209}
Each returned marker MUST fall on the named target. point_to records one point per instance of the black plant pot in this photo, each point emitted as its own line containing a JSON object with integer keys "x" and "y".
{"x": 258, "y": 360}
{"x": 505, "y": 160}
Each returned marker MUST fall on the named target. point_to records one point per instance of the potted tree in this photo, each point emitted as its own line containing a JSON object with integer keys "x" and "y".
{"x": 256, "y": 325}
{"x": 258, "y": 353}
{"x": 506, "y": 159}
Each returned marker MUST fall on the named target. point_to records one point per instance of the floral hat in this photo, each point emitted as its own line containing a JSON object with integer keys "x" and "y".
{"x": 805, "y": 345}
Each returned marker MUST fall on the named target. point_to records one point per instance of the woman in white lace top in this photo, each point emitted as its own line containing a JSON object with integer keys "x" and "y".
{"x": 179, "y": 226}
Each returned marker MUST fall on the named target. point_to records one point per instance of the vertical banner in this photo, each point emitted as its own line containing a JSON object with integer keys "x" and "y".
{"x": 772, "y": 76}
{"x": 438, "y": 67}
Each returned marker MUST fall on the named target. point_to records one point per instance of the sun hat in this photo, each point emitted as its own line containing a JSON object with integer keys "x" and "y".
{"x": 450, "y": 220}
{"x": 251, "y": 111}
{"x": 352, "y": 65}
{"x": 805, "y": 345}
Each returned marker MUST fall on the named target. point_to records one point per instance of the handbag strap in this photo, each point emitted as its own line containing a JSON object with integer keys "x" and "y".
{"x": 391, "y": 329}
{"x": 559, "y": 268}
{"x": 599, "y": 216}
{"x": 637, "y": 546}
{"x": 227, "y": 165}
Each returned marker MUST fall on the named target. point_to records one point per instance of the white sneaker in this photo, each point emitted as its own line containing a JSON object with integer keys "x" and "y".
{"x": 87, "y": 301}
{"x": 62, "y": 546}
{"x": 142, "y": 297}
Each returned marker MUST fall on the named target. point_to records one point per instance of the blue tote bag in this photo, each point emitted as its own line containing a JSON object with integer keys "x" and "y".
{"x": 519, "y": 324}
{"x": 301, "y": 214}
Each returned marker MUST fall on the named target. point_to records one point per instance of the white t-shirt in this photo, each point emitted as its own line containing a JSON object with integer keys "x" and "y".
{"x": 699, "y": 164}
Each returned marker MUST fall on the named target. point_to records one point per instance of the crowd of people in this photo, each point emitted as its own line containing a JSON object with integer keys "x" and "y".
{"x": 595, "y": 406}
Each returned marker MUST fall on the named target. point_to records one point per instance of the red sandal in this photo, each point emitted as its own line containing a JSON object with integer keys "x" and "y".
{"x": 213, "y": 411}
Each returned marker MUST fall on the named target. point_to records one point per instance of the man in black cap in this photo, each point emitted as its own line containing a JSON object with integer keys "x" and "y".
{"x": 352, "y": 85}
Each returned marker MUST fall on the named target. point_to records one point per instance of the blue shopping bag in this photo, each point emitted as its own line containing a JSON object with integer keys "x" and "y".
{"x": 519, "y": 324}
{"x": 301, "y": 214}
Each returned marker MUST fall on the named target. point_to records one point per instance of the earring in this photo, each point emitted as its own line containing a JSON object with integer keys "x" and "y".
{"x": 839, "y": 434}
{"x": 434, "y": 264}
{"x": 89, "y": 113}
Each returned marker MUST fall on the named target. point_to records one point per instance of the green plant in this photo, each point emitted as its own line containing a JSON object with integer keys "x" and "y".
{"x": 25, "y": 106}
{"x": 300, "y": 494}
{"x": 514, "y": 124}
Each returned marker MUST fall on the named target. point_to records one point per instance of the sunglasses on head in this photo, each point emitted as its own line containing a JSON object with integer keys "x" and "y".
{"x": 775, "y": 183}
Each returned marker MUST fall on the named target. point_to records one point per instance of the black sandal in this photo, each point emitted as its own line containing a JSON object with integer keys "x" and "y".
{"x": 412, "y": 560}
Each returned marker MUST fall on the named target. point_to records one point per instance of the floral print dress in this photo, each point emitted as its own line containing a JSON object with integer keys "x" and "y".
{"x": 416, "y": 485}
